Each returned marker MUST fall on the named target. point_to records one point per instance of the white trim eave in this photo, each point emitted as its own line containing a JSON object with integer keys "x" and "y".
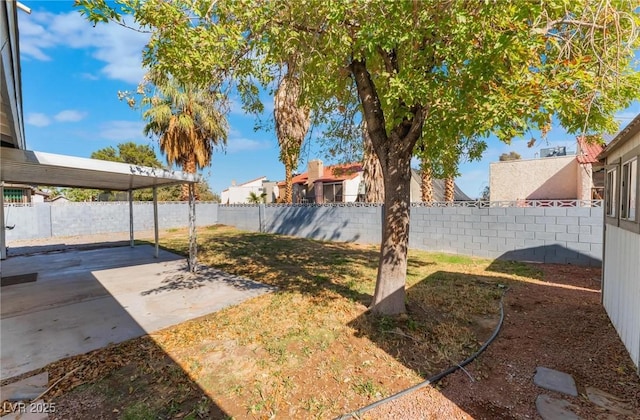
{"x": 39, "y": 168}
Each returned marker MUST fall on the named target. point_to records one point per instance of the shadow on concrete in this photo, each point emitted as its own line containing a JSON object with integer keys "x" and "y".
{"x": 204, "y": 276}
{"x": 310, "y": 222}
{"x": 14, "y": 251}
{"x": 550, "y": 254}
{"x": 83, "y": 304}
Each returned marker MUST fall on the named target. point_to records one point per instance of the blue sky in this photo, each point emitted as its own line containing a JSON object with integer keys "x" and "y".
{"x": 72, "y": 72}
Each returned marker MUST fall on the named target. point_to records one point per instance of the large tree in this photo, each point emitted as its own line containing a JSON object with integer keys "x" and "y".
{"x": 187, "y": 121}
{"x": 417, "y": 68}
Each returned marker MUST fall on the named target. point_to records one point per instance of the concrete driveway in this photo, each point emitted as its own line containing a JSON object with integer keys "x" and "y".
{"x": 82, "y": 300}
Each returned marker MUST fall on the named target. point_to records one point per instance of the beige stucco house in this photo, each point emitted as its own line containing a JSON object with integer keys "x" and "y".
{"x": 621, "y": 278}
{"x": 571, "y": 177}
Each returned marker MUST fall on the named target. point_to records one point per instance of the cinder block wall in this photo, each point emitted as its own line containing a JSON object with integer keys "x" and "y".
{"x": 45, "y": 220}
{"x": 553, "y": 234}
{"x": 354, "y": 223}
{"x": 566, "y": 235}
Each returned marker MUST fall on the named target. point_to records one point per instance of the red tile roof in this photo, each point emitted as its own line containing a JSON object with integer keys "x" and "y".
{"x": 588, "y": 151}
{"x": 332, "y": 173}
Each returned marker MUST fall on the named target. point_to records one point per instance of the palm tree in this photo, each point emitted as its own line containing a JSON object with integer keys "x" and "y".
{"x": 426, "y": 180}
{"x": 292, "y": 123}
{"x": 449, "y": 187}
{"x": 256, "y": 199}
{"x": 188, "y": 122}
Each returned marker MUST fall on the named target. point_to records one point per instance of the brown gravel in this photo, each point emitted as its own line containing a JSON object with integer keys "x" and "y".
{"x": 558, "y": 323}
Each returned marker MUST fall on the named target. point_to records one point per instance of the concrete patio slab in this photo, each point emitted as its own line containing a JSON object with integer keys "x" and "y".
{"x": 551, "y": 408}
{"x": 555, "y": 380}
{"x": 85, "y": 300}
{"x": 25, "y": 389}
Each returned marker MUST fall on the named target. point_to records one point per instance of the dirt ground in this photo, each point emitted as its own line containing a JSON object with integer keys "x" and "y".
{"x": 559, "y": 324}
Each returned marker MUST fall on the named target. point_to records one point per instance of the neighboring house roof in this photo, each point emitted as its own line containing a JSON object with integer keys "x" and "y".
{"x": 60, "y": 197}
{"x": 626, "y": 133}
{"x": 588, "y": 151}
{"x": 262, "y": 178}
{"x": 332, "y": 173}
{"x": 438, "y": 188}
{"x": 253, "y": 180}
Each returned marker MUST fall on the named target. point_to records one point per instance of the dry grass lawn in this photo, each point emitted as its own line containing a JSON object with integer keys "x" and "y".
{"x": 310, "y": 349}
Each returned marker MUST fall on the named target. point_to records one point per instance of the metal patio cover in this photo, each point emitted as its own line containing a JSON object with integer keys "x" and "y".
{"x": 39, "y": 168}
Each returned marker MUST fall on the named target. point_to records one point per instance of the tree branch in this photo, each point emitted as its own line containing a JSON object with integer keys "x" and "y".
{"x": 372, "y": 109}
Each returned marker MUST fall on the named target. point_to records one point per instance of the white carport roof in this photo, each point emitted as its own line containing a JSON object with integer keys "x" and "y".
{"x": 30, "y": 167}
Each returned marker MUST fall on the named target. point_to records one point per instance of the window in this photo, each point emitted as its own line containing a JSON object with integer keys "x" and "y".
{"x": 14, "y": 195}
{"x": 332, "y": 193}
{"x": 629, "y": 186}
{"x": 611, "y": 190}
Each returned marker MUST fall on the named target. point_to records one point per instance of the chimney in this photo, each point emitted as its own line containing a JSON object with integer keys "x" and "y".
{"x": 315, "y": 171}
{"x": 233, "y": 182}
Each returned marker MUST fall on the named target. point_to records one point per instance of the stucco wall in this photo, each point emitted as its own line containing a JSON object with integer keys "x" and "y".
{"x": 239, "y": 194}
{"x": 534, "y": 179}
{"x": 351, "y": 189}
{"x": 585, "y": 181}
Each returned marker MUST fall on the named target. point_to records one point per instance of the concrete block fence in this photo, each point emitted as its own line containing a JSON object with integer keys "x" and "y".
{"x": 43, "y": 220}
{"x": 567, "y": 235}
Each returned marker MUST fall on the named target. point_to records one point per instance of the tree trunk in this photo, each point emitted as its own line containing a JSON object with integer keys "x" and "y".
{"x": 449, "y": 186}
{"x": 192, "y": 261}
{"x": 389, "y": 297}
{"x": 372, "y": 171}
{"x": 427, "y": 183}
{"x": 189, "y": 167}
{"x": 288, "y": 189}
{"x": 394, "y": 150}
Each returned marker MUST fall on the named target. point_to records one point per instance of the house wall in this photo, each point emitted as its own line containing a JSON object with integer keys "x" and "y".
{"x": 621, "y": 286}
{"x": 534, "y": 179}
{"x": 585, "y": 181}
{"x": 621, "y": 281}
{"x": 239, "y": 194}
{"x": 350, "y": 188}
{"x": 415, "y": 191}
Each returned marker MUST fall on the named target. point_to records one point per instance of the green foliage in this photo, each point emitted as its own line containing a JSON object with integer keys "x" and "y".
{"x": 479, "y": 68}
{"x": 257, "y": 198}
{"x": 187, "y": 120}
{"x": 446, "y": 73}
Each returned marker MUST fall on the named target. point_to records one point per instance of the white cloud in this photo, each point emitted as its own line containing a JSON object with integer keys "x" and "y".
{"x": 69, "y": 115}
{"x": 241, "y": 144}
{"x": 118, "y": 47}
{"x": 37, "y": 119}
{"x": 122, "y": 131}
{"x": 89, "y": 76}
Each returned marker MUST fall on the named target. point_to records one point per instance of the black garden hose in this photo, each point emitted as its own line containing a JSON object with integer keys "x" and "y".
{"x": 434, "y": 379}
